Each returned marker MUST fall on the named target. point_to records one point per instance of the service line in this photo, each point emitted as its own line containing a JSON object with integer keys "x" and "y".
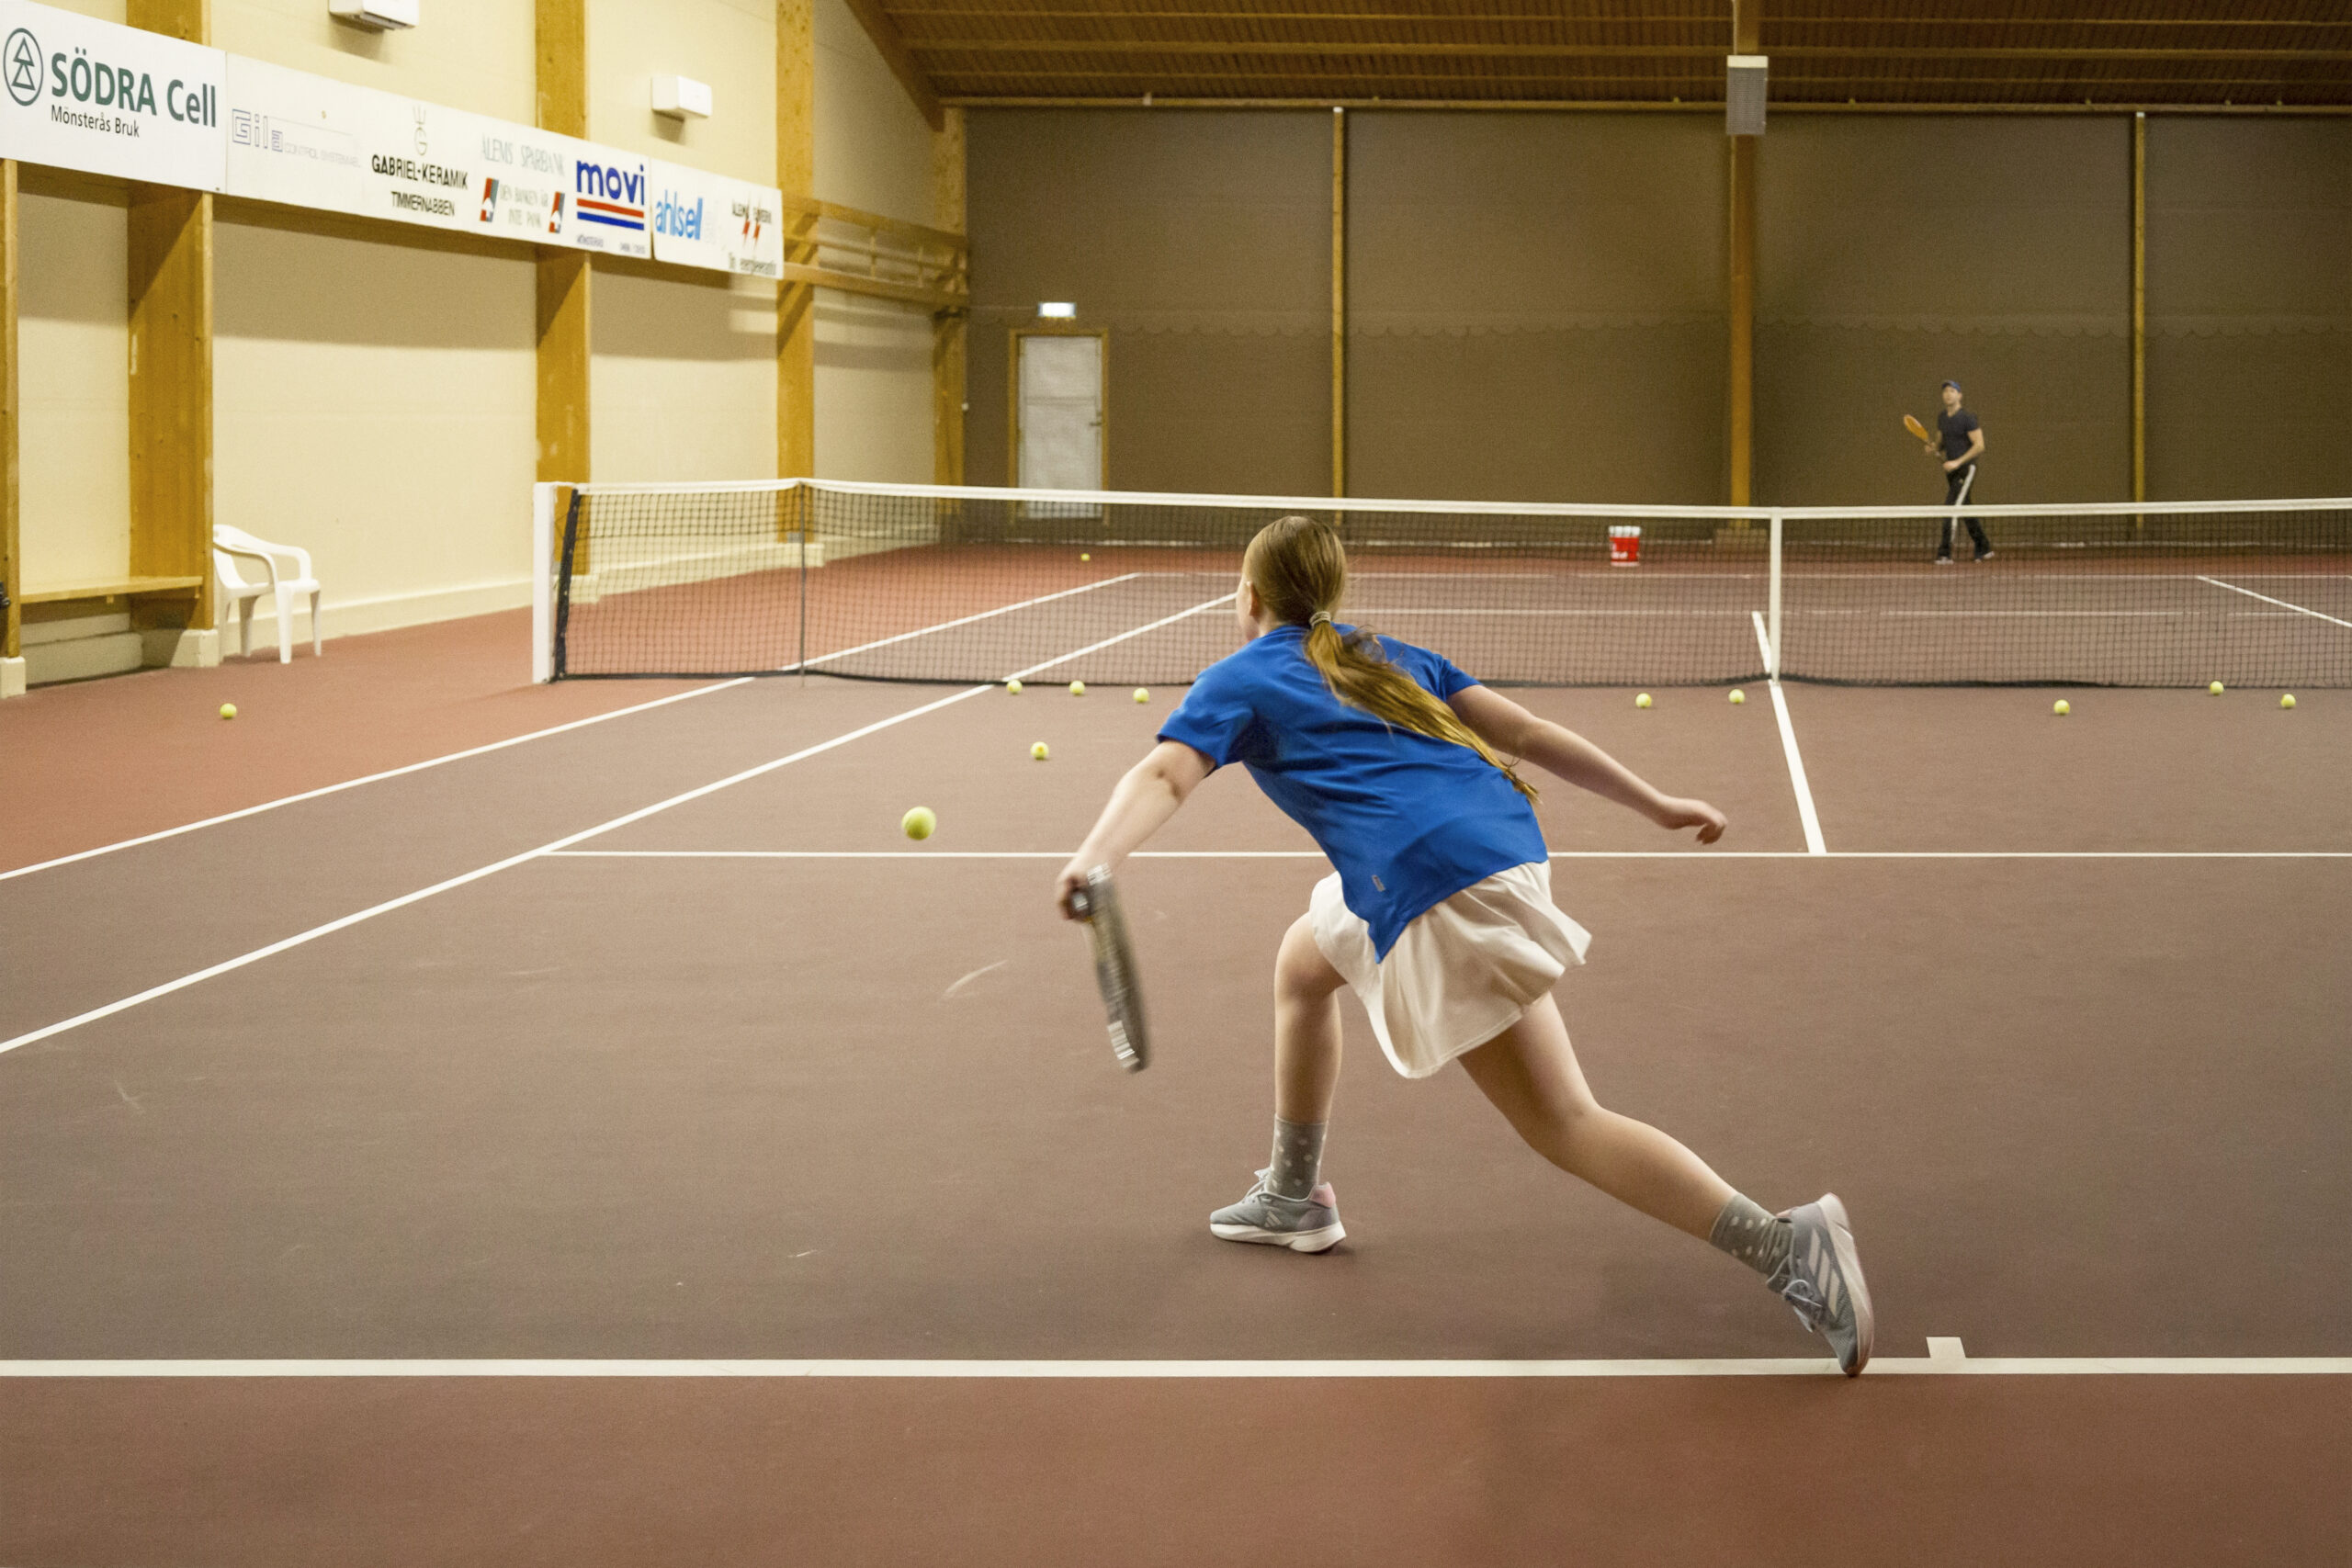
{"x": 640, "y": 815}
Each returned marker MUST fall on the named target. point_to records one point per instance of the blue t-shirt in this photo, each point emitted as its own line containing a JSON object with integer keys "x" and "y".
{"x": 1410, "y": 821}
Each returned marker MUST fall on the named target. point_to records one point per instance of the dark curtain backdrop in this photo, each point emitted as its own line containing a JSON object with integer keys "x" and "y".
{"x": 2249, "y": 307}
{"x": 1537, "y": 301}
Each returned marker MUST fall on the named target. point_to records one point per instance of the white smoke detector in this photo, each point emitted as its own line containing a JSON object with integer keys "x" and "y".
{"x": 376, "y": 15}
{"x": 681, "y": 97}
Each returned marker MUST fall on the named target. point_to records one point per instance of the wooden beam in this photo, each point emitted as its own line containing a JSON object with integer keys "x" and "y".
{"x": 11, "y": 572}
{"x": 1746, "y": 31}
{"x": 921, "y": 233}
{"x": 893, "y": 50}
{"x": 796, "y": 174}
{"x": 564, "y": 279}
{"x": 1339, "y": 301}
{"x": 560, "y": 48}
{"x": 872, "y": 288}
{"x": 948, "y": 327}
{"x": 1742, "y": 271}
{"x": 188, "y": 20}
{"x": 2140, "y": 307}
{"x": 1241, "y": 48}
{"x": 170, "y": 234}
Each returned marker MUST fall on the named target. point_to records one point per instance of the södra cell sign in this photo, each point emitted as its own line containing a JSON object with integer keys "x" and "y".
{"x": 90, "y": 95}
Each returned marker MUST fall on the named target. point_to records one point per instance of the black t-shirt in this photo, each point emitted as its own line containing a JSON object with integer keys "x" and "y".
{"x": 1957, "y": 428}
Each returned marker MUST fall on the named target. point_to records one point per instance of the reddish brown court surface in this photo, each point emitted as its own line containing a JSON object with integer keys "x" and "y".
{"x": 557, "y": 1053}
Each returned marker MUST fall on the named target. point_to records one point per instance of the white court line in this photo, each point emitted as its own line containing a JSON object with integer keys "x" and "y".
{"x": 1806, "y": 816}
{"x": 1694, "y": 854}
{"x": 1820, "y": 1367}
{"x": 968, "y": 620}
{"x": 372, "y": 778}
{"x": 153, "y": 992}
{"x": 2299, "y": 609}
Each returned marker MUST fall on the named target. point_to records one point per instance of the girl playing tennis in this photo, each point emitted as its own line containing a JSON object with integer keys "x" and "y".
{"x": 1438, "y": 918}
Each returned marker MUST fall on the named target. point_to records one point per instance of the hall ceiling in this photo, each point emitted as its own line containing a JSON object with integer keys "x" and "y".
{"x": 1911, "y": 53}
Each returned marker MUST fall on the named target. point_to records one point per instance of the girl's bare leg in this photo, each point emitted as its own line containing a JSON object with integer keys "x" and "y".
{"x": 1306, "y": 1028}
{"x": 1530, "y": 1073}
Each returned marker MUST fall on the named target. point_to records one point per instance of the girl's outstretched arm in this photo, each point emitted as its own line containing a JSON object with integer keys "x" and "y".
{"x": 1139, "y": 807}
{"x": 1515, "y": 732}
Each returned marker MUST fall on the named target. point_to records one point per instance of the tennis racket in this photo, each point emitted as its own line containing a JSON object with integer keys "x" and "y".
{"x": 1916, "y": 428}
{"x": 1097, "y": 904}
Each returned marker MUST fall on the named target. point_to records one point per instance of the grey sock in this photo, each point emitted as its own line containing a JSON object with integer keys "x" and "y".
{"x": 1757, "y": 1239}
{"x": 1298, "y": 1157}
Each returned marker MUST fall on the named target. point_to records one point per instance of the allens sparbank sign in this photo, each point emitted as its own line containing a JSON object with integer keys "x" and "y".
{"x": 88, "y": 95}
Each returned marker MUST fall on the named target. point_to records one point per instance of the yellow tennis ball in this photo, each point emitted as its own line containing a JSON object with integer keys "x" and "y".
{"x": 1642, "y": 701}
{"x": 1738, "y": 697}
{"x": 2286, "y": 699}
{"x": 1039, "y": 752}
{"x": 1013, "y": 687}
{"x": 228, "y": 710}
{"x": 1077, "y": 688}
{"x": 1142, "y": 695}
{"x": 2060, "y": 707}
{"x": 2216, "y": 688}
{"x": 1083, "y": 556}
{"x": 919, "y": 823}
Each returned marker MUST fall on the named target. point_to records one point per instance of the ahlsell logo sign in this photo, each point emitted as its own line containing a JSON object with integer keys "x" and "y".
{"x": 88, "y": 95}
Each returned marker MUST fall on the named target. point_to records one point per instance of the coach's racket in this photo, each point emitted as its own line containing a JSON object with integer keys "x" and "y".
{"x": 1916, "y": 428}
{"x": 1097, "y": 904}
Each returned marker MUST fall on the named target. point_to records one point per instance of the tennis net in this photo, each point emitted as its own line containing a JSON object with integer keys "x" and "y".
{"x": 913, "y": 583}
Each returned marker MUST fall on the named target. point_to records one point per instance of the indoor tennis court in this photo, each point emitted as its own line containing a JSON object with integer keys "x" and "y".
{"x": 574, "y": 572}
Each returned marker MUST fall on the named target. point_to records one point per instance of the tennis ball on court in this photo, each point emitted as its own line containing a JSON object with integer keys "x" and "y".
{"x": 1013, "y": 687}
{"x": 1737, "y": 698}
{"x": 228, "y": 710}
{"x": 2060, "y": 707}
{"x": 1642, "y": 701}
{"x": 1038, "y": 751}
{"x": 919, "y": 823}
{"x": 1142, "y": 695}
{"x": 1083, "y": 556}
{"x": 1077, "y": 688}
{"x": 2286, "y": 699}
{"x": 2216, "y": 688}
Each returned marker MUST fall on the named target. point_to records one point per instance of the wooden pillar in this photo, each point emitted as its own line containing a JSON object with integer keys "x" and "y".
{"x": 565, "y": 276}
{"x": 1747, "y": 25}
{"x": 1339, "y": 301}
{"x": 796, "y": 174}
{"x": 12, "y": 574}
{"x": 948, "y": 328}
{"x": 170, "y": 234}
{"x": 171, "y": 398}
{"x": 2139, "y": 307}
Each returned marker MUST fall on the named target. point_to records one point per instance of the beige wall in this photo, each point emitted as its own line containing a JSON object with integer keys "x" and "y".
{"x": 730, "y": 44}
{"x": 470, "y": 54}
{"x": 74, "y": 379}
{"x": 873, "y": 145}
{"x": 373, "y": 405}
{"x": 873, "y": 390}
{"x": 683, "y": 382}
{"x": 103, "y": 10}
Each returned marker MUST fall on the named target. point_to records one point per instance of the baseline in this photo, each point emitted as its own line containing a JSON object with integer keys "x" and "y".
{"x": 1930, "y": 1365}
{"x": 1555, "y": 854}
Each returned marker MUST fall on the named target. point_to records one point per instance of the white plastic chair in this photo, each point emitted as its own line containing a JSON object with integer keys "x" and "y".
{"x": 232, "y": 544}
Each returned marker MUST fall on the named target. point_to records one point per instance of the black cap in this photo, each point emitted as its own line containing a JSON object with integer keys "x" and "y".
{"x": 1954, "y": 386}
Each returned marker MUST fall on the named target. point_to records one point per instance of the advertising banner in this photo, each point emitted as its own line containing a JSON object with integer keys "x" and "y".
{"x": 710, "y": 220}
{"x": 609, "y": 197}
{"x": 90, "y": 95}
{"x": 313, "y": 141}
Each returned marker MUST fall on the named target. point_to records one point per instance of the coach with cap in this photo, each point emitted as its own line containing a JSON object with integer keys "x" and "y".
{"x": 1963, "y": 442}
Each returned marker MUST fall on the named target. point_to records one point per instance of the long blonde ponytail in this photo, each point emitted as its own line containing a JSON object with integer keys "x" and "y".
{"x": 1300, "y": 570}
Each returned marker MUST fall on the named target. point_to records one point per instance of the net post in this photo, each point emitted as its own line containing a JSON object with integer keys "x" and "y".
{"x": 563, "y": 585}
{"x": 542, "y": 583}
{"x": 805, "y": 506}
{"x": 1772, "y": 614}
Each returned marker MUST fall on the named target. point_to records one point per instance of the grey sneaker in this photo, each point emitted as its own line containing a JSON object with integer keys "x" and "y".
{"x": 1303, "y": 1224}
{"x": 1823, "y": 1281}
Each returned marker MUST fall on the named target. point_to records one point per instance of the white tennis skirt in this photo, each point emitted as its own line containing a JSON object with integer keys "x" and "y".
{"x": 1462, "y": 973}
